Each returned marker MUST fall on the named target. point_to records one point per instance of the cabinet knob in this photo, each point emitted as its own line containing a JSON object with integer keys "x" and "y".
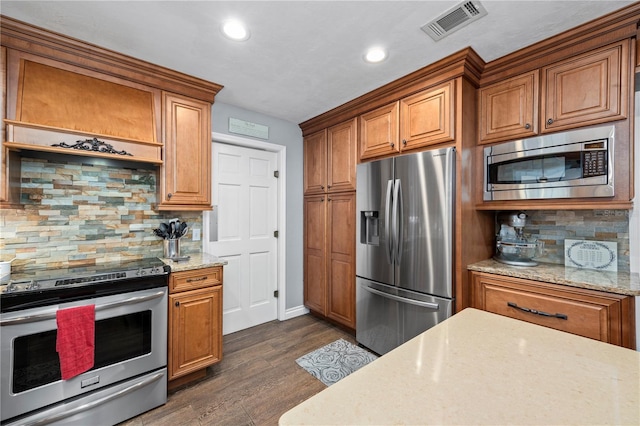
{"x": 404, "y": 142}
{"x": 321, "y": 186}
{"x": 169, "y": 195}
{"x": 527, "y": 126}
{"x": 177, "y": 303}
{"x": 328, "y": 186}
{"x": 550, "y": 121}
{"x": 391, "y": 144}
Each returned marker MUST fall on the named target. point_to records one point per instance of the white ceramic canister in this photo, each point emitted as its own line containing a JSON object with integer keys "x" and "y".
{"x": 5, "y": 271}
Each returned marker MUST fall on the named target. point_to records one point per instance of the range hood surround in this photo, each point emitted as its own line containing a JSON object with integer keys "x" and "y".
{"x": 65, "y": 109}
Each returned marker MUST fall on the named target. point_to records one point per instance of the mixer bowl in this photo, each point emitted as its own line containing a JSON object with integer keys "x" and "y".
{"x": 519, "y": 252}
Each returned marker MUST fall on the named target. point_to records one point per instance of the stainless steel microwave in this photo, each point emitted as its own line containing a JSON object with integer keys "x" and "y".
{"x": 573, "y": 164}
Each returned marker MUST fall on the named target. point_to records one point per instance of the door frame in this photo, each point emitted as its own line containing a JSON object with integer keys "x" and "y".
{"x": 281, "y": 164}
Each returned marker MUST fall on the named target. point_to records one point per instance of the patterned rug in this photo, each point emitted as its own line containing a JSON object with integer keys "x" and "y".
{"x": 335, "y": 361}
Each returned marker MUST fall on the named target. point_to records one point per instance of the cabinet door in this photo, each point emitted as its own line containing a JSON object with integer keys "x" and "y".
{"x": 341, "y": 157}
{"x": 315, "y": 263}
{"x": 186, "y": 171}
{"x": 428, "y": 117}
{"x": 315, "y": 163}
{"x": 509, "y": 109}
{"x": 195, "y": 332}
{"x": 592, "y": 314}
{"x": 341, "y": 222}
{"x": 379, "y": 132}
{"x": 588, "y": 89}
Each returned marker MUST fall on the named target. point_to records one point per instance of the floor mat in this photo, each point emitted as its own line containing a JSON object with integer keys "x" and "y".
{"x": 335, "y": 361}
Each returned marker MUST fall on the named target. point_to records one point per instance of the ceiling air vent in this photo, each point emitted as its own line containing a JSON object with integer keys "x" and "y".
{"x": 454, "y": 19}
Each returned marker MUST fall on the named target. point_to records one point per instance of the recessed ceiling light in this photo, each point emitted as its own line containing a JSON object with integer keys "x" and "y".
{"x": 235, "y": 30}
{"x": 375, "y": 54}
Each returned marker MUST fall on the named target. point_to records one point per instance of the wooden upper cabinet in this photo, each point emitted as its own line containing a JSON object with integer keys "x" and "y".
{"x": 579, "y": 91}
{"x": 315, "y": 162}
{"x": 509, "y": 109}
{"x": 587, "y": 89}
{"x": 423, "y": 119}
{"x": 330, "y": 159}
{"x": 186, "y": 172}
{"x": 428, "y": 117}
{"x": 379, "y": 131}
{"x": 342, "y": 151}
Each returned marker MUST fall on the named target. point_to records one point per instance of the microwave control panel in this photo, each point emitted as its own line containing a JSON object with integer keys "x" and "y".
{"x": 594, "y": 163}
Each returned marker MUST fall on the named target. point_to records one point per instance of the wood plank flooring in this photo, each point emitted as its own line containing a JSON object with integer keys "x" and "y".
{"x": 257, "y": 380}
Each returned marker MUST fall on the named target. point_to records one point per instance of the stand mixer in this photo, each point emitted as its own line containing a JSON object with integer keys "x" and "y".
{"x": 513, "y": 246}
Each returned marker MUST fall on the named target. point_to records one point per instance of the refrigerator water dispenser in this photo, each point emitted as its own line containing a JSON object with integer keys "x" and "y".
{"x": 370, "y": 229}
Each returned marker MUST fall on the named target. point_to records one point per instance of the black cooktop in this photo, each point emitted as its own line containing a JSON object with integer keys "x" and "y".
{"x": 42, "y": 287}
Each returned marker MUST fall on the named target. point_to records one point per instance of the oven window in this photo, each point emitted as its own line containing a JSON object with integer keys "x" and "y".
{"x": 117, "y": 339}
{"x": 544, "y": 168}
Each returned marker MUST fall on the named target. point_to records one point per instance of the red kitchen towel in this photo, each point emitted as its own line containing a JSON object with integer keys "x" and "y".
{"x": 75, "y": 341}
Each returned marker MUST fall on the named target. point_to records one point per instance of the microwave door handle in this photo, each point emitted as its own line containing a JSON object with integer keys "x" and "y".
{"x": 387, "y": 222}
{"x": 52, "y": 314}
{"x": 397, "y": 220}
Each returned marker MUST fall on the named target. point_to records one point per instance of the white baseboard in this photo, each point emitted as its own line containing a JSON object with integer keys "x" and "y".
{"x": 294, "y": 312}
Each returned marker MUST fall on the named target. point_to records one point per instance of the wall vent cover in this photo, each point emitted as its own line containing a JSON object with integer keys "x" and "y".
{"x": 453, "y": 19}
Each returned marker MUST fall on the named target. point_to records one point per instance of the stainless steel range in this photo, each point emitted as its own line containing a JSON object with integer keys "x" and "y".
{"x": 130, "y": 355}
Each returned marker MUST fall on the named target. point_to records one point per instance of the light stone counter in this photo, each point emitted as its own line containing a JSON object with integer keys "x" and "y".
{"x": 613, "y": 282}
{"x": 480, "y": 368}
{"x": 196, "y": 261}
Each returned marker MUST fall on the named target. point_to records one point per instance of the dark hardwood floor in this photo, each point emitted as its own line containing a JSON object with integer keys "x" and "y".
{"x": 257, "y": 380}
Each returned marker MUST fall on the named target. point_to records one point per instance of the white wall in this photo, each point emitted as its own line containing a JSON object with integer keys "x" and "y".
{"x": 285, "y": 133}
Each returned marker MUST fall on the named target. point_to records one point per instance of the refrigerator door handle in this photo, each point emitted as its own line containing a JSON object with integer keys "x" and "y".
{"x": 398, "y": 212}
{"x": 420, "y": 303}
{"x": 387, "y": 217}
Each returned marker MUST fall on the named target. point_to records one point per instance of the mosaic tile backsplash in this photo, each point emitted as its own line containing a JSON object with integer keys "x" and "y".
{"x": 553, "y": 226}
{"x": 76, "y": 214}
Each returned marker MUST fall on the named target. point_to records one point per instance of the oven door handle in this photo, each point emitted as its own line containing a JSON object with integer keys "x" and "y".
{"x": 52, "y": 315}
{"x": 97, "y": 402}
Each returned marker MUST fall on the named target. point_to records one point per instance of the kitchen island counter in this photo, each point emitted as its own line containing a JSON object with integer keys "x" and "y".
{"x": 195, "y": 261}
{"x": 481, "y": 368}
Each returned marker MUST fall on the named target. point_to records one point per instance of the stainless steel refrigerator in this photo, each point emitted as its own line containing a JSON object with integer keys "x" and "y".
{"x": 404, "y": 248}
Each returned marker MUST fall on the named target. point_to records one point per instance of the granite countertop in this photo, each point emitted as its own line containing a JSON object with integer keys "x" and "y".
{"x": 613, "y": 282}
{"x": 481, "y": 368}
{"x": 195, "y": 261}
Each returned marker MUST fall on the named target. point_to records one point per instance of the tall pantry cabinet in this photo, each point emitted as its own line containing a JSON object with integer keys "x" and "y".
{"x": 329, "y": 222}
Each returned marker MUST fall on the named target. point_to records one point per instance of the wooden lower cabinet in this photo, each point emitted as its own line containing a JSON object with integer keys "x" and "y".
{"x": 329, "y": 256}
{"x": 598, "y": 315}
{"x": 195, "y": 321}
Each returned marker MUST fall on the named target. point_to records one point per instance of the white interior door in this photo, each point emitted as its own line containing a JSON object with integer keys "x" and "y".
{"x": 245, "y": 199}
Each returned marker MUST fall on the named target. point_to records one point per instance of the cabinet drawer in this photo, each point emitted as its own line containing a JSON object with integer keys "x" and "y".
{"x": 572, "y": 316}
{"x": 194, "y": 279}
{"x": 597, "y": 315}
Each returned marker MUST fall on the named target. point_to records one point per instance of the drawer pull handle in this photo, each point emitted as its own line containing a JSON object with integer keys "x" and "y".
{"x": 533, "y": 311}
{"x": 191, "y": 280}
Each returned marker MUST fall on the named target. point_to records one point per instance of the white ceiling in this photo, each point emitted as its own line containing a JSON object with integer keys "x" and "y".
{"x": 303, "y": 57}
